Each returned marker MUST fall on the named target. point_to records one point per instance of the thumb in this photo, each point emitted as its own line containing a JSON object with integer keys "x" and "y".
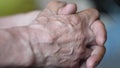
{"x": 96, "y": 56}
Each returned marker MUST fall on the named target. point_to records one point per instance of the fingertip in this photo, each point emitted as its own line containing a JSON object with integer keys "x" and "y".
{"x": 68, "y": 9}
{"x": 91, "y": 62}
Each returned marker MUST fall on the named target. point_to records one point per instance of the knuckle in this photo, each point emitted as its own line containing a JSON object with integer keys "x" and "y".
{"x": 74, "y": 20}
{"x": 95, "y": 11}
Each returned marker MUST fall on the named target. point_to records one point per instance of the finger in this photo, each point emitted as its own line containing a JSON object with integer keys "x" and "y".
{"x": 98, "y": 52}
{"x": 59, "y": 7}
{"x": 89, "y": 15}
{"x": 83, "y": 62}
{"x": 54, "y": 6}
{"x": 99, "y": 30}
{"x": 96, "y": 56}
{"x": 83, "y": 65}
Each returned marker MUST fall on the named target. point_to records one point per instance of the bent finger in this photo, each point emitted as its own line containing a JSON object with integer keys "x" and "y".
{"x": 89, "y": 15}
{"x": 68, "y": 9}
{"x": 99, "y": 30}
{"x": 96, "y": 56}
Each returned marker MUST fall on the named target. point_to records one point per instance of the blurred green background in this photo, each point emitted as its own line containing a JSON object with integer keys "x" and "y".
{"x": 9, "y": 7}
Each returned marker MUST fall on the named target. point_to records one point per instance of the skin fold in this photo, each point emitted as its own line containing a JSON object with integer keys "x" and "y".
{"x": 57, "y": 37}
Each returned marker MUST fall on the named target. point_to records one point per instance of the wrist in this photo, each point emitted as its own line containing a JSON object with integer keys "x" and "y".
{"x": 18, "y": 46}
{"x": 27, "y": 54}
{"x": 15, "y": 49}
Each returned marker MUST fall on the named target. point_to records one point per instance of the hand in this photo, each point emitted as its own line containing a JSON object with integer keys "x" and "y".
{"x": 62, "y": 38}
{"x": 58, "y": 37}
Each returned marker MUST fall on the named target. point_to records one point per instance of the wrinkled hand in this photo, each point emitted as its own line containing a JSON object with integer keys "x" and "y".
{"x": 61, "y": 38}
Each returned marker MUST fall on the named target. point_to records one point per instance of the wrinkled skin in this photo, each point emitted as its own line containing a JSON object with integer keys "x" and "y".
{"x": 63, "y": 39}
{"x": 60, "y": 40}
